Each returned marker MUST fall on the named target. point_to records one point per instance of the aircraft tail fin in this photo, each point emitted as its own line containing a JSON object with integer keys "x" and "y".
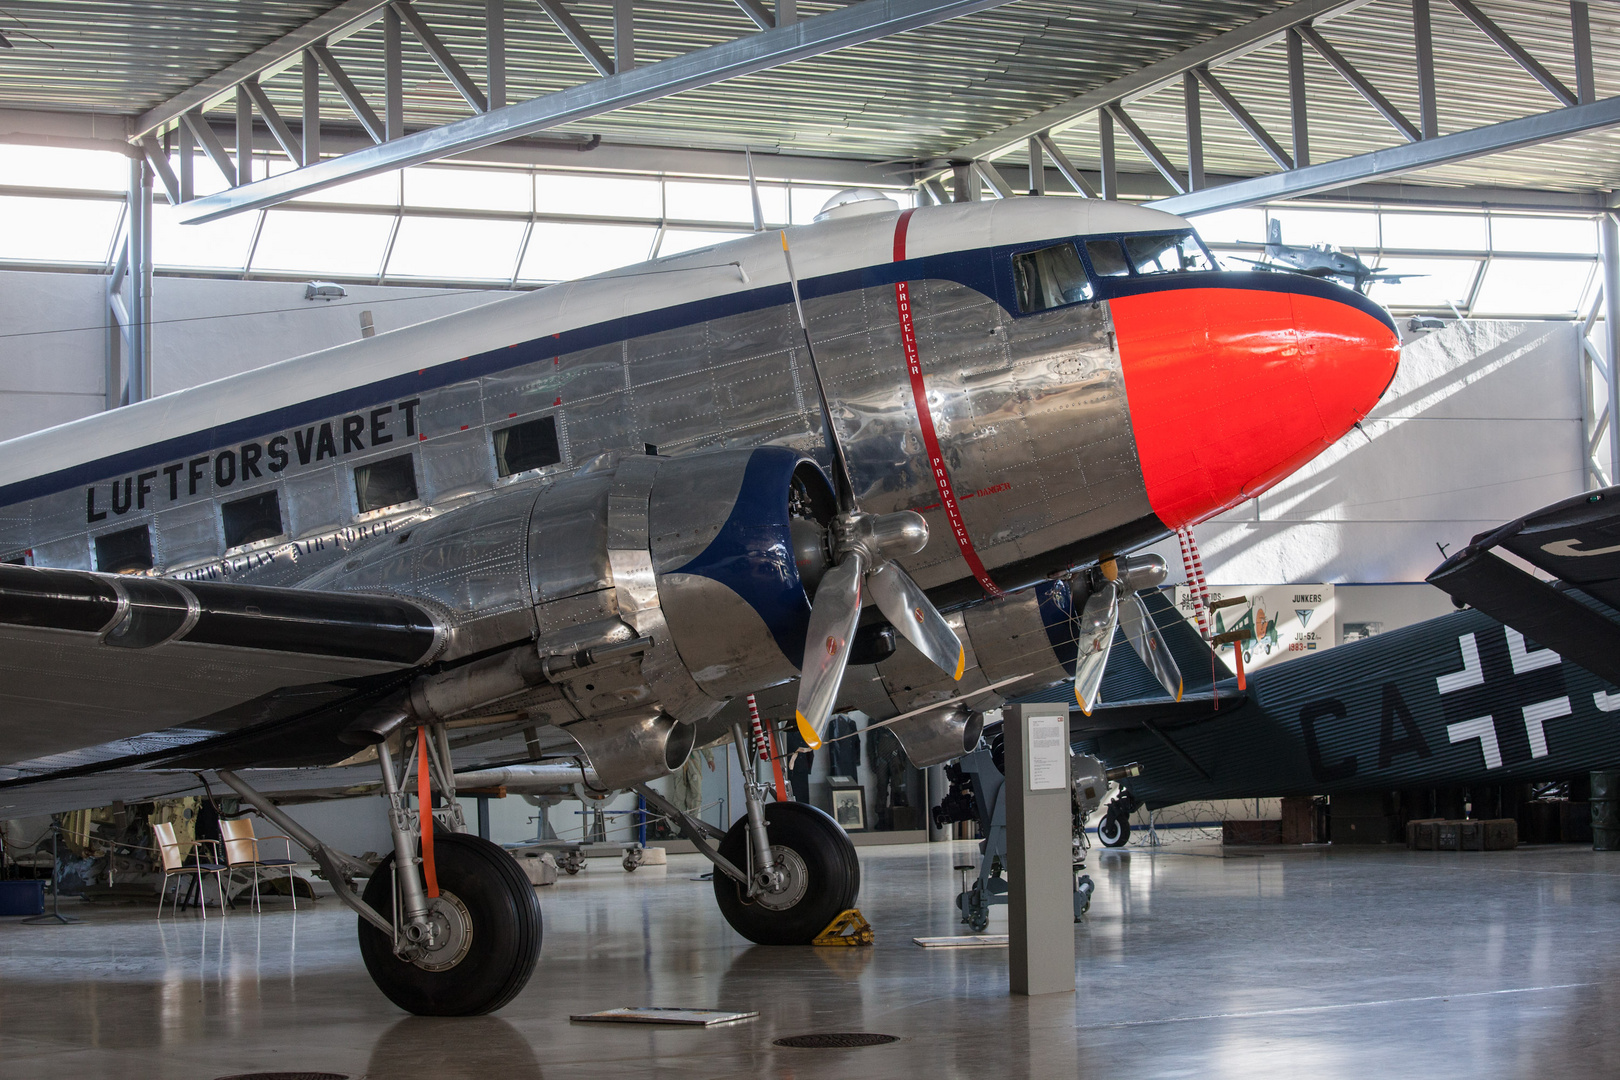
{"x": 1274, "y": 232}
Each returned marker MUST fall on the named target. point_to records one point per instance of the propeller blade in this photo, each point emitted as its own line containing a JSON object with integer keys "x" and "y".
{"x": 833, "y": 615}
{"x": 842, "y": 484}
{"x": 909, "y": 611}
{"x": 1095, "y": 637}
{"x": 1143, "y": 634}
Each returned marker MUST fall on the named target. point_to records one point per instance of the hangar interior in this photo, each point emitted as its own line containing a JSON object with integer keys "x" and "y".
{"x": 193, "y": 190}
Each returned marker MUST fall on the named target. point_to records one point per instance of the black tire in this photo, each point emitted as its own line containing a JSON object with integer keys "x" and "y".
{"x": 505, "y": 939}
{"x": 1113, "y": 831}
{"x": 832, "y": 876}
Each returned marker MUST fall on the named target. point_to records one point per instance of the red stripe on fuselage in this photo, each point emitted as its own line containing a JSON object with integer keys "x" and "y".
{"x": 925, "y": 418}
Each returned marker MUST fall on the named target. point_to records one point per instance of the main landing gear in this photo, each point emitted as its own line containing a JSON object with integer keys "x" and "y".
{"x": 783, "y": 872}
{"x": 456, "y": 933}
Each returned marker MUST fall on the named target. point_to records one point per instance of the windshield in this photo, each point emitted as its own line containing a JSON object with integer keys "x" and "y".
{"x": 1106, "y": 258}
{"x": 1049, "y": 278}
{"x": 1167, "y": 253}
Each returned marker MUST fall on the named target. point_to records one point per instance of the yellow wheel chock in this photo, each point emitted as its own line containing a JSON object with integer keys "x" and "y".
{"x": 849, "y": 928}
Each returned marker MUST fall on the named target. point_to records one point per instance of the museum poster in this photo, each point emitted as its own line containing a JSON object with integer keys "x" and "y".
{"x": 1282, "y": 621}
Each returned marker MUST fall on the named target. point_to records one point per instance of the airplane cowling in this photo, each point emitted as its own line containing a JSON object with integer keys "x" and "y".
{"x": 737, "y": 544}
{"x": 699, "y": 558}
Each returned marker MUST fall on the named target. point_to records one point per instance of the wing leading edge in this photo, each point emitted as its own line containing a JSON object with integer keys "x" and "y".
{"x": 90, "y": 658}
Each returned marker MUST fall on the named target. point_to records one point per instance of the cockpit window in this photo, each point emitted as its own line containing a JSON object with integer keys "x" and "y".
{"x": 1050, "y": 277}
{"x": 1167, "y": 253}
{"x": 1106, "y": 258}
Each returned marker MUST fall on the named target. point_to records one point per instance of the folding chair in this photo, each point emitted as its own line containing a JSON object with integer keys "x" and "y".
{"x": 174, "y": 865}
{"x": 242, "y": 853}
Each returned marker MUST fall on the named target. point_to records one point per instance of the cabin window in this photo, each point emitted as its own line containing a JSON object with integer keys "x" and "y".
{"x": 128, "y": 551}
{"x": 247, "y": 521}
{"x": 385, "y": 483}
{"x": 529, "y": 445}
{"x": 1050, "y": 277}
{"x": 1107, "y": 260}
{"x": 1174, "y": 253}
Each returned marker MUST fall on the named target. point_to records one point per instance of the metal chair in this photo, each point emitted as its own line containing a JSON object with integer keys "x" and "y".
{"x": 242, "y": 853}
{"x": 174, "y": 865}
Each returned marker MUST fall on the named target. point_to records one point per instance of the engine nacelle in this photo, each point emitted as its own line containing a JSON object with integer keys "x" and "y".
{"x": 700, "y": 558}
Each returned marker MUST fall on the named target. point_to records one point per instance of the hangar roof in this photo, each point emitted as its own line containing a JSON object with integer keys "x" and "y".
{"x": 912, "y": 100}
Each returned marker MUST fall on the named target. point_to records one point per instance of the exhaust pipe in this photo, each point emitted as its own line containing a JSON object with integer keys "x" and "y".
{"x": 933, "y": 738}
{"x": 631, "y": 750}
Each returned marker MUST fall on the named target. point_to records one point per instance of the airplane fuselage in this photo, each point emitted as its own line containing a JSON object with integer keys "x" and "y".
{"x": 1461, "y": 699}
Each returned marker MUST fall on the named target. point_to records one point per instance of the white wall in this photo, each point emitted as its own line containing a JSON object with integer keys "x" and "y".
{"x": 53, "y": 334}
{"x": 1481, "y": 425}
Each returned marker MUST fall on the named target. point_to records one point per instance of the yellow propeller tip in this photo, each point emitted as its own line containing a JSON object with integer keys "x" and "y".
{"x": 1180, "y": 687}
{"x": 961, "y": 663}
{"x": 783, "y": 235}
{"x": 811, "y": 738}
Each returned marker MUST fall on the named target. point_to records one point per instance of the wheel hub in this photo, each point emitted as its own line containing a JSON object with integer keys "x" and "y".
{"x": 452, "y": 934}
{"x": 792, "y": 880}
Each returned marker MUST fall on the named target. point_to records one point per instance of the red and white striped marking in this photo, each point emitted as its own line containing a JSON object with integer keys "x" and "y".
{"x": 763, "y": 747}
{"x": 1193, "y": 563}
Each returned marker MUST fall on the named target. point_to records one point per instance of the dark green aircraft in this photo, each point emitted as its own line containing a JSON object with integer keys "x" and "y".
{"x": 1520, "y": 687}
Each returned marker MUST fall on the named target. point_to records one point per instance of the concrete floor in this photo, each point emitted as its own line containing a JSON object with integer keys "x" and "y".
{"x": 1315, "y": 963}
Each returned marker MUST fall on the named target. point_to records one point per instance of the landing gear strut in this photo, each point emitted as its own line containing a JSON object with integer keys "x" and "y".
{"x": 458, "y": 940}
{"x": 783, "y": 871}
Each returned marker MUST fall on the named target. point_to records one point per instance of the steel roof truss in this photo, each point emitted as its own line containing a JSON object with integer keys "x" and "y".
{"x": 211, "y": 145}
{"x": 442, "y": 56}
{"x": 1518, "y": 53}
{"x": 1149, "y": 149}
{"x": 1065, "y": 167}
{"x": 350, "y": 93}
{"x": 1245, "y": 119}
{"x": 1359, "y": 83}
{"x": 272, "y": 119}
{"x": 579, "y": 36}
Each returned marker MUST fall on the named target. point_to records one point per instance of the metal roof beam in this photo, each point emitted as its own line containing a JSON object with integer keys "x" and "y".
{"x": 442, "y": 56}
{"x": 350, "y": 93}
{"x": 1226, "y": 47}
{"x": 335, "y": 25}
{"x": 837, "y": 29}
{"x": 1518, "y": 53}
{"x": 1244, "y": 118}
{"x": 1382, "y": 164}
{"x": 272, "y": 119}
{"x": 1358, "y": 82}
{"x": 1149, "y": 149}
{"x": 758, "y": 12}
{"x": 578, "y": 36}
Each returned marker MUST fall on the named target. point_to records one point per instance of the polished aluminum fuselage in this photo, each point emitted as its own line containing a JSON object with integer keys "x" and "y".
{"x": 1031, "y": 412}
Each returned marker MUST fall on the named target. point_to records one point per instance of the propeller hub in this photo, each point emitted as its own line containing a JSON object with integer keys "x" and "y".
{"x": 880, "y": 537}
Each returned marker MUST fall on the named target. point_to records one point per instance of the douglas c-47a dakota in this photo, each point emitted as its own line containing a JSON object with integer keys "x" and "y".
{"x": 606, "y": 512}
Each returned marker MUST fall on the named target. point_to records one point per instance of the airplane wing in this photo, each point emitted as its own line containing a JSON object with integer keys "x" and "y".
{"x": 1578, "y": 542}
{"x": 98, "y": 670}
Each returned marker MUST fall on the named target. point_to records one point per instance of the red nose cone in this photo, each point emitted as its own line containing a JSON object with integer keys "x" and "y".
{"x": 1232, "y": 389}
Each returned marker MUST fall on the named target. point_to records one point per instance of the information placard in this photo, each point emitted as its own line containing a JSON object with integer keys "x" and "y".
{"x": 1048, "y": 752}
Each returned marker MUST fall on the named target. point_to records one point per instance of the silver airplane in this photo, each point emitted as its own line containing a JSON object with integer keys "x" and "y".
{"x": 1319, "y": 260}
{"x": 558, "y": 540}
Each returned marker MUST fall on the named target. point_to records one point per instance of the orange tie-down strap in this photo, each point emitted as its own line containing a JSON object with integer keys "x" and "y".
{"x": 424, "y": 811}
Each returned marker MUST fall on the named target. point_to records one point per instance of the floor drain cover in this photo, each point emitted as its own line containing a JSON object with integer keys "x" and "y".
{"x": 286, "y": 1076}
{"x": 837, "y": 1040}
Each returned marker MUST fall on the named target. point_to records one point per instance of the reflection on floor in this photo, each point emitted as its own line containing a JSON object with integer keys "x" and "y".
{"x": 1351, "y": 963}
